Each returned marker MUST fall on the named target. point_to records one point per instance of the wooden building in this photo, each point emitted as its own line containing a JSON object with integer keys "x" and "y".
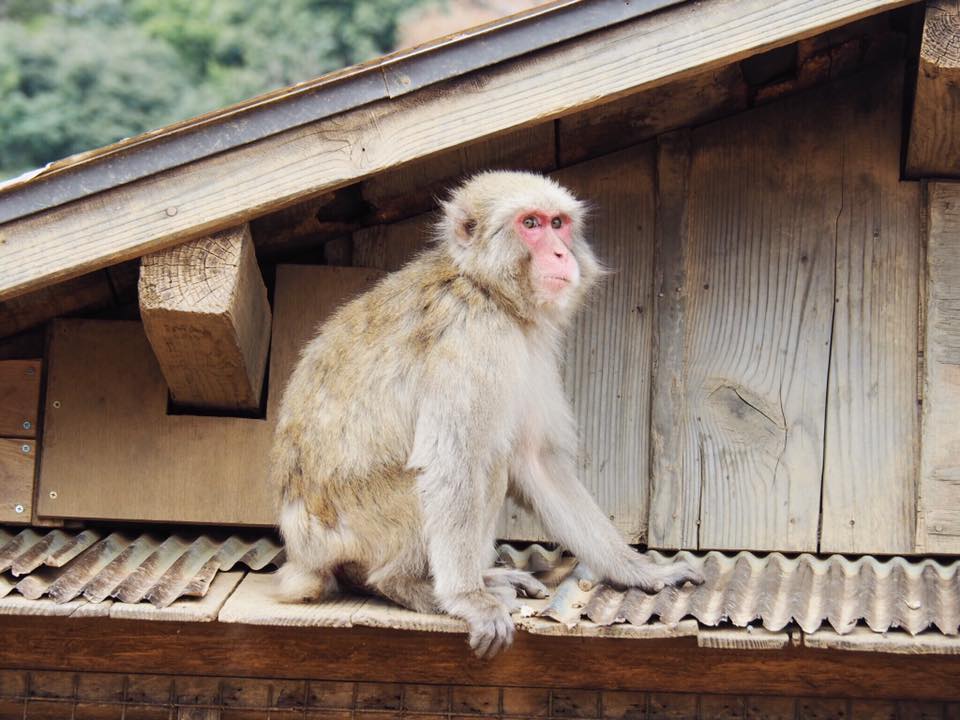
{"x": 768, "y": 380}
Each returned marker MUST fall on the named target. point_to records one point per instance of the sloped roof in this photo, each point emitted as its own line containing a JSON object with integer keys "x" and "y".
{"x": 180, "y": 182}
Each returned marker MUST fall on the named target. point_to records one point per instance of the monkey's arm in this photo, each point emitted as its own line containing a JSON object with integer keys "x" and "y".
{"x": 546, "y": 480}
{"x": 452, "y": 452}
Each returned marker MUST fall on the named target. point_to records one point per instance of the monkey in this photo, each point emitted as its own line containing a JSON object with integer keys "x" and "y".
{"x": 424, "y": 402}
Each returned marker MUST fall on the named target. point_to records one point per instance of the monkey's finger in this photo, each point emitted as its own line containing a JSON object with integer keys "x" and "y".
{"x": 481, "y": 643}
{"x": 532, "y": 588}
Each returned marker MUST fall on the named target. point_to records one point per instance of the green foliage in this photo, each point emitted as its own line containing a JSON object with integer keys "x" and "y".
{"x": 79, "y": 74}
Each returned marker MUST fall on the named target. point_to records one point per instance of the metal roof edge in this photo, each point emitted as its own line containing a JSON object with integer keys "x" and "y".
{"x": 387, "y": 77}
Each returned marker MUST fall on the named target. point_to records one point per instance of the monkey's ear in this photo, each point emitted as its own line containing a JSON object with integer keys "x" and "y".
{"x": 462, "y": 223}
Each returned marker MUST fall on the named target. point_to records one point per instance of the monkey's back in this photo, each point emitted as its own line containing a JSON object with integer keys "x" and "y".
{"x": 349, "y": 412}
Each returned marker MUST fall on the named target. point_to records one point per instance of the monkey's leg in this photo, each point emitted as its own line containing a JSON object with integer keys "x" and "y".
{"x": 548, "y": 481}
{"x": 411, "y": 592}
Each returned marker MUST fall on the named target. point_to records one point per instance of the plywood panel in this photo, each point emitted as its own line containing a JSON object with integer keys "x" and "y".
{"x": 746, "y": 288}
{"x": 17, "y": 460}
{"x": 111, "y": 450}
{"x": 871, "y": 460}
{"x": 938, "y": 529}
{"x": 19, "y": 398}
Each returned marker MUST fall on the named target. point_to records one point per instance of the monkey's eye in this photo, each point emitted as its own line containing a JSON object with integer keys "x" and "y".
{"x": 556, "y": 223}
{"x": 530, "y": 222}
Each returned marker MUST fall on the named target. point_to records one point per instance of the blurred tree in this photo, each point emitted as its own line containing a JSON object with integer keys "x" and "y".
{"x": 79, "y": 74}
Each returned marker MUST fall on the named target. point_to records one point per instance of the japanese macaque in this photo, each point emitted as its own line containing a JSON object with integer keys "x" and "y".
{"x": 423, "y": 403}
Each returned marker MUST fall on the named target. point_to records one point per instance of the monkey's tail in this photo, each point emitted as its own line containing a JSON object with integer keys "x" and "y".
{"x": 299, "y": 583}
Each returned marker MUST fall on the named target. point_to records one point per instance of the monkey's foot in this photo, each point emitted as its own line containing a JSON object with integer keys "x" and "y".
{"x": 508, "y": 584}
{"x": 491, "y": 627}
{"x": 643, "y": 573}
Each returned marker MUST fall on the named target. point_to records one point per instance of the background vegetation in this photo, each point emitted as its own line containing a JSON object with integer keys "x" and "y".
{"x": 78, "y": 74}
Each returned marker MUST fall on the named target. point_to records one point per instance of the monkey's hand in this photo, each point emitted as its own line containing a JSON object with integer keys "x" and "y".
{"x": 509, "y": 584}
{"x": 640, "y": 571}
{"x": 491, "y": 627}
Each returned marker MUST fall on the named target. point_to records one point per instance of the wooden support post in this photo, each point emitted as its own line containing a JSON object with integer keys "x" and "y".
{"x": 934, "y": 147}
{"x": 205, "y": 311}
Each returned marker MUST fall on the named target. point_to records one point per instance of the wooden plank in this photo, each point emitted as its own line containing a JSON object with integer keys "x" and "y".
{"x": 938, "y": 522}
{"x": 205, "y": 312}
{"x": 381, "y": 655}
{"x": 673, "y": 515}
{"x": 745, "y": 294}
{"x": 933, "y": 149}
{"x": 19, "y": 398}
{"x": 17, "y": 460}
{"x": 390, "y": 247}
{"x": 111, "y": 450}
{"x": 89, "y": 293}
{"x": 871, "y": 460}
{"x": 226, "y": 189}
{"x": 616, "y": 125}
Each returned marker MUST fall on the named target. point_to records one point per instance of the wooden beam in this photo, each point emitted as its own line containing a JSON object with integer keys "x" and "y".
{"x": 380, "y": 655}
{"x": 934, "y": 145}
{"x": 214, "y": 193}
{"x": 205, "y": 311}
{"x": 938, "y": 520}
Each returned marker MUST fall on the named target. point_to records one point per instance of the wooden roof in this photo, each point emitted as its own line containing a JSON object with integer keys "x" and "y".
{"x": 181, "y": 182}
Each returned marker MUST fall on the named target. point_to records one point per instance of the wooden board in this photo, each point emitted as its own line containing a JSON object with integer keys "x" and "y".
{"x": 381, "y": 655}
{"x": 17, "y": 460}
{"x": 205, "y": 311}
{"x": 111, "y": 450}
{"x": 229, "y": 188}
{"x": 871, "y": 460}
{"x": 19, "y": 398}
{"x": 390, "y": 247}
{"x": 938, "y": 522}
{"x": 745, "y": 294}
{"x": 89, "y": 292}
{"x": 933, "y": 149}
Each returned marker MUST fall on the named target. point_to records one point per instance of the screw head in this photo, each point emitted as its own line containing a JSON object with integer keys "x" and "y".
{"x": 27, "y": 425}
{"x": 56, "y": 403}
{"x": 53, "y": 494}
{"x": 18, "y": 509}
{"x": 25, "y": 448}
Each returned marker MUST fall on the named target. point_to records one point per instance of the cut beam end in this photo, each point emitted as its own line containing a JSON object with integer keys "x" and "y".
{"x": 205, "y": 311}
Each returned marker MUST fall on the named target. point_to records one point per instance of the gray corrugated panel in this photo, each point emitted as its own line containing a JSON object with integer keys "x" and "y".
{"x": 776, "y": 590}
{"x": 64, "y": 564}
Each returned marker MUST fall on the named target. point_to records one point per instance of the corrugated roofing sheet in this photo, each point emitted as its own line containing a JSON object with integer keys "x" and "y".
{"x": 772, "y": 591}
{"x": 65, "y": 564}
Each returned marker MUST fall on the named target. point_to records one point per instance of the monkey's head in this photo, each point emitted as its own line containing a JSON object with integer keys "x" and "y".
{"x": 521, "y": 235}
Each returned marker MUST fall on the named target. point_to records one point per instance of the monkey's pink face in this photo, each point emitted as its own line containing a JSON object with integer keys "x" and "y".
{"x": 549, "y": 237}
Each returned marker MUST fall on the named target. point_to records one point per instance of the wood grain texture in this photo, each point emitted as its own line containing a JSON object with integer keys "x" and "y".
{"x": 17, "y": 461}
{"x": 390, "y": 247}
{"x": 205, "y": 312}
{"x": 616, "y": 125}
{"x": 19, "y": 398}
{"x": 745, "y": 295}
{"x": 933, "y": 149}
{"x": 871, "y": 460}
{"x": 110, "y": 449}
{"x": 938, "y": 522}
{"x": 226, "y": 189}
{"x": 88, "y": 293}
{"x": 380, "y": 655}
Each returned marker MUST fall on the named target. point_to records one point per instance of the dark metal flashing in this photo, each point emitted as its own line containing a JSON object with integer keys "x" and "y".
{"x": 388, "y": 77}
